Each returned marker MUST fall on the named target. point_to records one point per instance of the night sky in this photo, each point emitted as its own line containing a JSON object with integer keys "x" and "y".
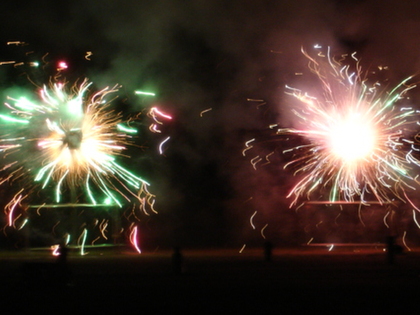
{"x": 198, "y": 55}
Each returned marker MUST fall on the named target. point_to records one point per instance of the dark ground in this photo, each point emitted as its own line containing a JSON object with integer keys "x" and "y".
{"x": 307, "y": 280}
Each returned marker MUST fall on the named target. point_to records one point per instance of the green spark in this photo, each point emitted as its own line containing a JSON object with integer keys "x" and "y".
{"x": 25, "y": 104}
{"x": 144, "y": 93}
{"x": 126, "y": 129}
{"x": 58, "y": 189}
{"x": 88, "y": 189}
{"x": 82, "y": 248}
{"x": 12, "y": 119}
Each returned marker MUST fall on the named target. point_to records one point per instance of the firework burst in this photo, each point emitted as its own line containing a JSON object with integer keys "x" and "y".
{"x": 357, "y": 136}
{"x": 68, "y": 141}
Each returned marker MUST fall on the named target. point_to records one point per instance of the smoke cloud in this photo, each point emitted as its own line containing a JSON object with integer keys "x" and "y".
{"x": 205, "y": 60}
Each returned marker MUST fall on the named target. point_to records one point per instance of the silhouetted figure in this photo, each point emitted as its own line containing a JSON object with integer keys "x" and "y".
{"x": 268, "y": 250}
{"x": 390, "y": 243}
{"x": 62, "y": 254}
{"x": 63, "y": 270}
{"x": 177, "y": 261}
{"x": 392, "y": 249}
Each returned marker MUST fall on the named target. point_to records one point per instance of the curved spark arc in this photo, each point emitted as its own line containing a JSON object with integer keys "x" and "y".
{"x": 77, "y": 140}
{"x": 355, "y": 136}
{"x": 158, "y": 116}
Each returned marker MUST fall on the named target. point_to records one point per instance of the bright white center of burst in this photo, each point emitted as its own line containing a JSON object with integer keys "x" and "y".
{"x": 352, "y": 139}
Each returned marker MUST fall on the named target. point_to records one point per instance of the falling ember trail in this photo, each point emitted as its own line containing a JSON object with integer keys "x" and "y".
{"x": 134, "y": 239}
{"x": 161, "y": 145}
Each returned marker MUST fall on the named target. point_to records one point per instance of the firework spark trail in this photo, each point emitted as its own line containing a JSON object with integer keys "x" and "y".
{"x": 356, "y": 142}
{"x": 158, "y": 116}
{"x": 71, "y": 142}
{"x": 82, "y": 242}
{"x": 134, "y": 238}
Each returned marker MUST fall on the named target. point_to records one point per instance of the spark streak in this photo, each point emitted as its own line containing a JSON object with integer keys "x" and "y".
{"x": 144, "y": 93}
{"x": 205, "y": 111}
{"x": 82, "y": 239}
{"x": 134, "y": 239}
{"x": 161, "y": 145}
{"x": 251, "y": 220}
